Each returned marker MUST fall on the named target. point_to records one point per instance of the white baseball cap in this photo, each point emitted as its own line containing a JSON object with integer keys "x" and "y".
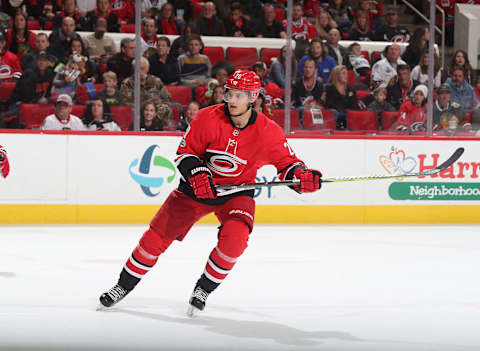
{"x": 64, "y": 98}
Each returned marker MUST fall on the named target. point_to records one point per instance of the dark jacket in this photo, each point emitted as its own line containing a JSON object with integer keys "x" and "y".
{"x": 332, "y": 53}
{"x": 59, "y": 44}
{"x": 396, "y": 95}
{"x": 339, "y": 102}
{"x": 300, "y": 94}
{"x": 157, "y": 126}
{"x": 32, "y": 86}
{"x": 29, "y": 61}
{"x": 123, "y": 68}
{"x": 203, "y": 28}
{"x": 168, "y": 72}
{"x": 113, "y": 24}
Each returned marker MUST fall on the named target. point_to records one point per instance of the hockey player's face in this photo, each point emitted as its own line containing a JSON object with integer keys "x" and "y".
{"x": 238, "y": 101}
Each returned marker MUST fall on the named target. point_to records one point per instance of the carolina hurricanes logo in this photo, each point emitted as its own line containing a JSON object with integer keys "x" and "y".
{"x": 5, "y": 72}
{"x": 224, "y": 163}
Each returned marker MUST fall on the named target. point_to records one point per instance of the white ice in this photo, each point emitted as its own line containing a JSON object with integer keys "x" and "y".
{"x": 332, "y": 288}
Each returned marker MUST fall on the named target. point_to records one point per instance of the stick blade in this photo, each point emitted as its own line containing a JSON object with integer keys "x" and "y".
{"x": 452, "y": 159}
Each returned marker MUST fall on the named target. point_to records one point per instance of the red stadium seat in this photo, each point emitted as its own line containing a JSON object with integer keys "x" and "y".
{"x": 279, "y": 117}
{"x": 351, "y": 78}
{"x": 47, "y": 25}
{"x": 376, "y": 55}
{"x": 214, "y": 53}
{"x": 33, "y": 25}
{"x": 32, "y": 115}
{"x": 362, "y": 120}
{"x": 242, "y": 57}
{"x": 6, "y": 89}
{"x": 318, "y": 119}
{"x": 197, "y": 10}
{"x": 268, "y": 54}
{"x": 176, "y": 115}
{"x": 366, "y": 55}
{"x": 127, "y": 28}
{"x": 180, "y": 93}
{"x": 78, "y": 110}
{"x": 280, "y": 14}
{"x": 347, "y": 132}
{"x": 82, "y": 95}
{"x": 123, "y": 115}
{"x": 389, "y": 118}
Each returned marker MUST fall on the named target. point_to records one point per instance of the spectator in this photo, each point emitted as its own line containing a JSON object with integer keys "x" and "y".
{"x": 217, "y": 96}
{"x": 460, "y": 58}
{"x": 100, "y": 46}
{"x": 110, "y": 93}
{"x": 208, "y": 23}
{"x": 360, "y": 30}
{"x": 391, "y": 31}
{"x": 385, "y": 70}
{"x": 151, "y": 88}
{"x": 150, "y": 120}
{"x": 124, "y": 9}
{"x": 121, "y": 63}
{"x": 268, "y": 26}
{"x": 374, "y": 10}
{"x": 476, "y": 88}
{"x": 179, "y": 45}
{"x": 307, "y": 91}
{"x": 273, "y": 93}
{"x": 163, "y": 65}
{"x": 194, "y": 67}
{"x": 29, "y": 61}
{"x": 260, "y": 104}
{"x": 417, "y": 46}
{"x": 341, "y": 14}
{"x": 33, "y": 87}
{"x": 420, "y": 71}
{"x": 44, "y": 10}
{"x": 69, "y": 9}
{"x": 152, "y": 8}
{"x": 167, "y": 22}
{"x": 448, "y": 116}
{"x": 10, "y": 69}
{"x": 462, "y": 92}
{"x": 413, "y": 113}
{"x": 401, "y": 89}
{"x": 67, "y": 77}
{"x": 149, "y": 37}
{"x": 88, "y": 68}
{"x": 61, "y": 119}
{"x": 190, "y": 112}
{"x": 324, "y": 23}
{"x": 335, "y": 50}
{"x": 380, "y": 104}
{"x": 301, "y": 28}
{"x": 97, "y": 116}
{"x": 219, "y": 77}
{"x": 60, "y": 38}
{"x": 104, "y": 10}
{"x": 236, "y": 24}
{"x": 340, "y": 97}
{"x": 312, "y": 8}
{"x": 20, "y": 40}
{"x": 354, "y": 60}
{"x": 277, "y": 72}
{"x": 319, "y": 53}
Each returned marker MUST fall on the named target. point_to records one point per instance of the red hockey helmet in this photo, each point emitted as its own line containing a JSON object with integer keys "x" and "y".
{"x": 244, "y": 80}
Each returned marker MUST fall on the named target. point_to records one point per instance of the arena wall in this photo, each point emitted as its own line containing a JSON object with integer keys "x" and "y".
{"x": 85, "y": 178}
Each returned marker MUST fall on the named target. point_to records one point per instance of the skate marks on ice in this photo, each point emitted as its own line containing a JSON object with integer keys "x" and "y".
{"x": 279, "y": 333}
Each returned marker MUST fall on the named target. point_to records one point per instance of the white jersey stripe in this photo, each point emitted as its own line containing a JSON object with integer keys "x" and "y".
{"x": 136, "y": 275}
{"x": 212, "y": 278}
{"x": 216, "y": 269}
{"x": 139, "y": 265}
{"x": 225, "y": 257}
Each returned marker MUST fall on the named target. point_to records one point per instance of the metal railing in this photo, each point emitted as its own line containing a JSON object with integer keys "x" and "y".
{"x": 439, "y": 30}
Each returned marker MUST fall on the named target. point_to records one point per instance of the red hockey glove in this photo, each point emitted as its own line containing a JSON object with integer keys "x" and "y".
{"x": 4, "y": 165}
{"x": 202, "y": 183}
{"x": 310, "y": 180}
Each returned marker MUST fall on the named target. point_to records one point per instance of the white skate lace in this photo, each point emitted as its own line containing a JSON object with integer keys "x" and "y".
{"x": 200, "y": 294}
{"x": 116, "y": 293}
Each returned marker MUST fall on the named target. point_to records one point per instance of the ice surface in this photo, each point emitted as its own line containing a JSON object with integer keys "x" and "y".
{"x": 332, "y": 288}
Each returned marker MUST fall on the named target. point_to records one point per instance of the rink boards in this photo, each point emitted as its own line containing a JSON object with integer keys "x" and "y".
{"x": 59, "y": 178}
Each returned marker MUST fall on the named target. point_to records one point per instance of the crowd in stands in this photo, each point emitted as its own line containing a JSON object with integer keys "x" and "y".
{"x": 333, "y": 87}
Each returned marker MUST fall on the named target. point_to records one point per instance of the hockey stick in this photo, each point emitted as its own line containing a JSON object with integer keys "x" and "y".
{"x": 450, "y": 161}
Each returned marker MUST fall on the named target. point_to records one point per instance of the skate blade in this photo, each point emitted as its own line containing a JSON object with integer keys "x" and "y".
{"x": 192, "y": 311}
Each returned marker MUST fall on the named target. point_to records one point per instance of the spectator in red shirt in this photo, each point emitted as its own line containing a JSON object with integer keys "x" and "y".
{"x": 167, "y": 22}
{"x": 104, "y": 10}
{"x": 413, "y": 113}
{"x": 20, "y": 40}
{"x": 70, "y": 10}
{"x": 301, "y": 28}
{"x": 124, "y": 10}
{"x": 10, "y": 68}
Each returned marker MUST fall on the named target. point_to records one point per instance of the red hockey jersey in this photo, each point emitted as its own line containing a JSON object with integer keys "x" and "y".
{"x": 234, "y": 155}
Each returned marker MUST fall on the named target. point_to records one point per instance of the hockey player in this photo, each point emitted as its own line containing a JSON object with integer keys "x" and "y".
{"x": 223, "y": 145}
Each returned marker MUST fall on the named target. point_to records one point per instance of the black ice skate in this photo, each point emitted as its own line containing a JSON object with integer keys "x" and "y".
{"x": 197, "y": 301}
{"x": 112, "y": 296}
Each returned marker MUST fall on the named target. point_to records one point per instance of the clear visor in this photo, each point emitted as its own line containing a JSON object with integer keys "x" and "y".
{"x": 234, "y": 95}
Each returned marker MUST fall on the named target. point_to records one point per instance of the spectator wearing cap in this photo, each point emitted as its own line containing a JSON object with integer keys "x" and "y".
{"x": 413, "y": 113}
{"x": 318, "y": 51}
{"x": 335, "y": 50}
{"x": 268, "y": 26}
{"x": 462, "y": 92}
{"x": 162, "y": 64}
{"x": 121, "y": 63}
{"x": 20, "y": 39}
{"x": 208, "y": 23}
{"x": 391, "y": 31}
{"x": 103, "y": 9}
{"x": 384, "y": 71}
{"x": 10, "y": 69}
{"x": 99, "y": 45}
{"x": 60, "y": 38}
{"x": 448, "y": 115}
{"x": 62, "y": 119}
{"x": 29, "y": 61}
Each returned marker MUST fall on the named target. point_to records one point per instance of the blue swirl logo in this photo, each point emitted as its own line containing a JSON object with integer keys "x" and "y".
{"x": 151, "y": 171}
